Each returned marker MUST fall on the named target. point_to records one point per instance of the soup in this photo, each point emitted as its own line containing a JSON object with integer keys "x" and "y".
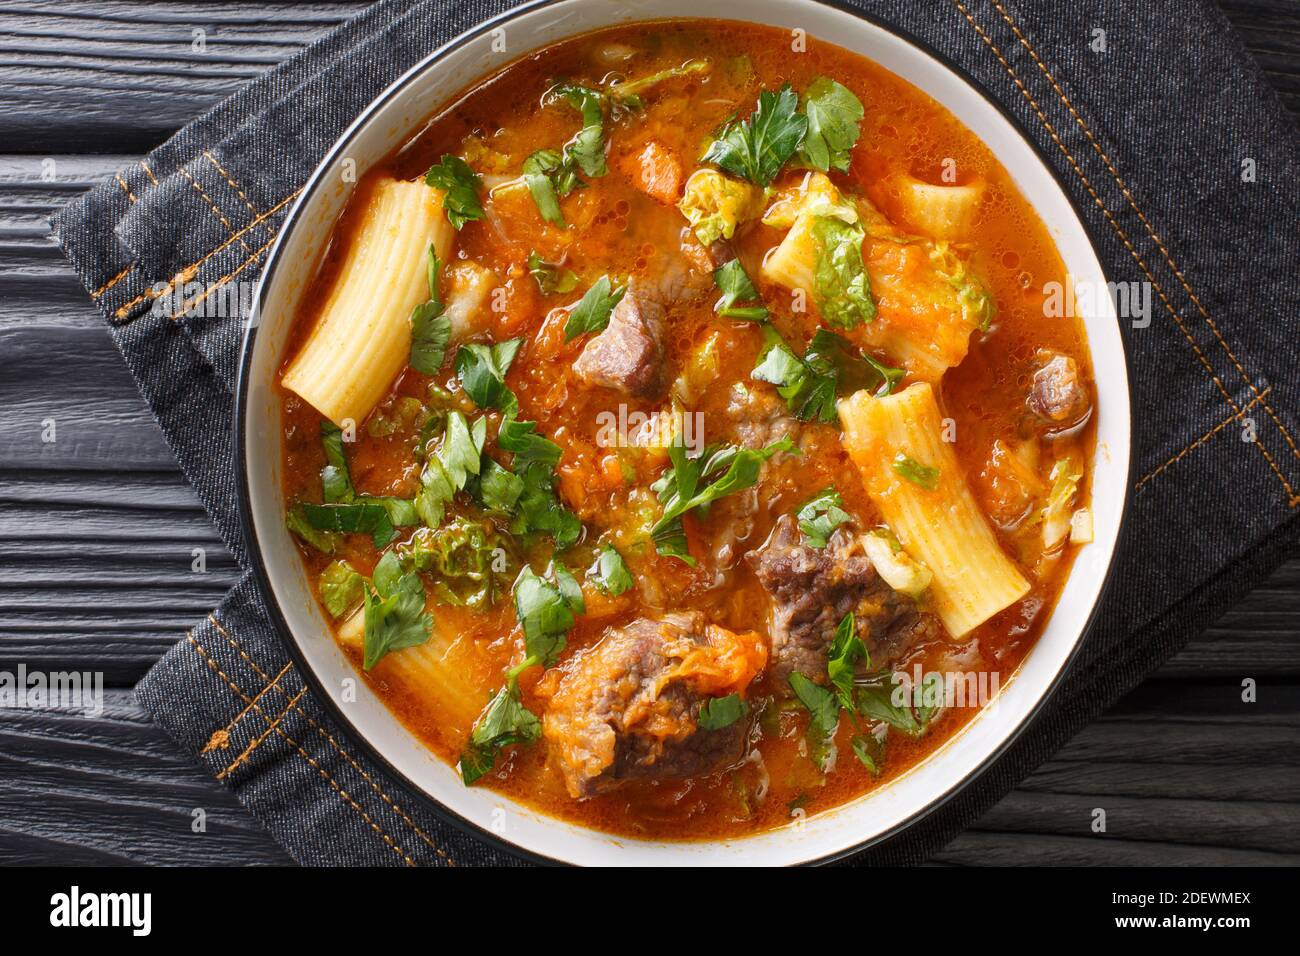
{"x": 676, "y": 432}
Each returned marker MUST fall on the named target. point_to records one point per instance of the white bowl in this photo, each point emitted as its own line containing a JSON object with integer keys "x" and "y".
{"x": 389, "y": 122}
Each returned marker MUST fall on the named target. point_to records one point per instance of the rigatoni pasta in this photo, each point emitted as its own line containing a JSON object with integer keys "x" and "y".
{"x": 362, "y": 337}
{"x": 914, "y": 477}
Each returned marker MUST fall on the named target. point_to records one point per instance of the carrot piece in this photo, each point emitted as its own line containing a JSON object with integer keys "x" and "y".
{"x": 655, "y": 171}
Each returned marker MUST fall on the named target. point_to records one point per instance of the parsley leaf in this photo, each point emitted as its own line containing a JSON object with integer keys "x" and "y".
{"x": 757, "y": 148}
{"x": 719, "y": 712}
{"x": 834, "y": 113}
{"x": 841, "y": 286}
{"x": 736, "y": 286}
{"x": 819, "y": 701}
{"x": 592, "y": 312}
{"x": 548, "y": 180}
{"x": 447, "y": 470}
{"x": 551, "y": 277}
{"x": 875, "y": 700}
{"x": 498, "y": 488}
{"x": 482, "y": 370}
{"x": 831, "y": 367}
{"x": 545, "y": 609}
{"x": 504, "y": 721}
{"x": 819, "y": 518}
{"x": 923, "y": 476}
{"x": 847, "y": 649}
{"x": 587, "y": 149}
{"x": 695, "y": 482}
{"x": 539, "y": 508}
{"x": 870, "y": 751}
{"x": 460, "y": 186}
{"x": 394, "y": 611}
{"x": 522, "y": 439}
{"x": 808, "y": 392}
{"x": 430, "y": 329}
{"x": 610, "y": 573}
{"x": 352, "y": 518}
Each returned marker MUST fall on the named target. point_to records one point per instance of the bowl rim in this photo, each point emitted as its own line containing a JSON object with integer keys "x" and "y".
{"x": 262, "y": 574}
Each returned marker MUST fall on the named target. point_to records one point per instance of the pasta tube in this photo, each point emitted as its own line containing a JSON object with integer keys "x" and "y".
{"x": 362, "y": 337}
{"x": 914, "y": 478}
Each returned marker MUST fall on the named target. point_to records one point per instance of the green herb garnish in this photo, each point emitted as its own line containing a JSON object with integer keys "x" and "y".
{"x": 394, "y": 611}
{"x": 482, "y": 371}
{"x": 551, "y": 277}
{"x": 736, "y": 286}
{"x": 834, "y": 113}
{"x": 593, "y": 310}
{"x": 757, "y": 148}
{"x": 719, "y": 712}
{"x": 460, "y": 186}
{"x": 819, "y": 518}
{"x": 610, "y": 573}
{"x": 923, "y": 476}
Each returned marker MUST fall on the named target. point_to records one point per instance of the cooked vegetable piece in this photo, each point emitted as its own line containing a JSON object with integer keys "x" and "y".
{"x": 716, "y": 205}
{"x": 340, "y": 588}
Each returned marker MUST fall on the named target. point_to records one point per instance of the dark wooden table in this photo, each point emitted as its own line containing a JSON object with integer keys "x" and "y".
{"x": 97, "y": 527}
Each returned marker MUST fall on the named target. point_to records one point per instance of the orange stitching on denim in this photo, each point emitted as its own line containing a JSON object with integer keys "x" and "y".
{"x": 260, "y": 694}
{"x": 229, "y": 179}
{"x": 112, "y": 282}
{"x": 248, "y": 751}
{"x": 194, "y": 642}
{"x": 193, "y": 267}
{"x": 1123, "y": 186}
{"x": 335, "y": 744}
{"x": 125, "y": 188}
{"x": 148, "y": 172}
{"x": 1292, "y": 498}
{"x": 213, "y": 287}
{"x": 212, "y": 205}
{"x": 1203, "y": 439}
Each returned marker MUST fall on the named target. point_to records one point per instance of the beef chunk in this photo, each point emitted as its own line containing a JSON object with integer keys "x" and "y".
{"x": 628, "y": 354}
{"x": 1058, "y": 395}
{"x": 811, "y": 591}
{"x": 626, "y": 708}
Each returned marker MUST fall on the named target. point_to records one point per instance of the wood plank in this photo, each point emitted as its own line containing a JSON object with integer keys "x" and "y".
{"x": 122, "y": 77}
{"x": 114, "y": 790}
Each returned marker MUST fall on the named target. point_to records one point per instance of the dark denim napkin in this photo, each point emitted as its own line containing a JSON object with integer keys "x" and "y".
{"x": 1161, "y": 128}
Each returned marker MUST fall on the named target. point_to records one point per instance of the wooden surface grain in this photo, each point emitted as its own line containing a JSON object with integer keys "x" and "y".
{"x": 98, "y": 528}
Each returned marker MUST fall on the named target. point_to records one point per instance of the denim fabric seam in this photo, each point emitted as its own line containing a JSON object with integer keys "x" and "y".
{"x": 1204, "y": 438}
{"x": 260, "y": 738}
{"x": 230, "y": 180}
{"x": 1155, "y": 237}
{"x": 121, "y": 312}
{"x": 347, "y": 798}
{"x": 1292, "y": 498}
{"x": 212, "y": 205}
{"x": 337, "y": 746}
